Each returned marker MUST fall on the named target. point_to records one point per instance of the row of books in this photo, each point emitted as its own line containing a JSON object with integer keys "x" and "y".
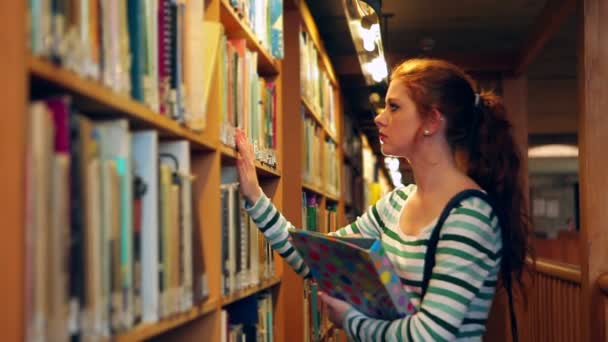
{"x": 316, "y": 319}
{"x": 152, "y": 50}
{"x": 351, "y": 141}
{"x": 315, "y": 85}
{"x": 317, "y": 326}
{"x": 331, "y": 167}
{"x": 265, "y": 18}
{"x": 313, "y": 218}
{"x": 247, "y": 100}
{"x": 250, "y": 319}
{"x": 311, "y": 154}
{"x": 113, "y": 239}
{"x": 247, "y": 257}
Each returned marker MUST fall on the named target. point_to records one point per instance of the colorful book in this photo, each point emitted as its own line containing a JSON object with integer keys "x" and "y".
{"x": 356, "y": 270}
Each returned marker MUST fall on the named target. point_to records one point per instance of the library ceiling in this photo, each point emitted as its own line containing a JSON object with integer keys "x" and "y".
{"x": 486, "y": 37}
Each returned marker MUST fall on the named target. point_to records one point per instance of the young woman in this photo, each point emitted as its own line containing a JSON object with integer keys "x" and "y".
{"x": 455, "y": 140}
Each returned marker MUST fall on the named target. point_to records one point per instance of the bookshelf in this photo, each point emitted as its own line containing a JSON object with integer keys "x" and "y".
{"x": 28, "y": 77}
{"x": 92, "y": 97}
{"x": 33, "y": 77}
{"x": 147, "y": 331}
{"x": 313, "y": 114}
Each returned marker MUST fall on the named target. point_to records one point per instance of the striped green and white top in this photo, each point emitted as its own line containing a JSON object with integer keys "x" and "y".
{"x": 463, "y": 281}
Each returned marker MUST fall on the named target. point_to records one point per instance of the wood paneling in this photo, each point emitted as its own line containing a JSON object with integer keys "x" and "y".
{"x": 546, "y": 25}
{"x": 564, "y": 248}
{"x": 12, "y": 168}
{"x": 553, "y": 106}
{"x": 593, "y": 135}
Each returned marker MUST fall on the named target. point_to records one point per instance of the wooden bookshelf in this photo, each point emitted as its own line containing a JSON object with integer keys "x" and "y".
{"x": 27, "y": 77}
{"x": 229, "y": 156}
{"x": 208, "y": 154}
{"x": 312, "y": 188}
{"x": 317, "y": 117}
{"x": 147, "y": 331}
{"x": 94, "y": 98}
{"x": 310, "y": 26}
{"x": 235, "y": 27}
{"x": 296, "y": 18}
{"x": 332, "y": 197}
{"x": 265, "y": 285}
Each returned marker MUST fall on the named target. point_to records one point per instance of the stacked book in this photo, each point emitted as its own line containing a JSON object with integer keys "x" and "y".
{"x": 113, "y": 236}
{"x": 247, "y": 258}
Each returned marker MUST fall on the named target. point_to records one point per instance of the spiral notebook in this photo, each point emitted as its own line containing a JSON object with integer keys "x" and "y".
{"x": 356, "y": 270}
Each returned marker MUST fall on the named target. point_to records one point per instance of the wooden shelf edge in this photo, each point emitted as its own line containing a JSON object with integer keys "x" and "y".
{"x": 267, "y": 65}
{"x": 267, "y": 171}
{"x": 333, "y": 198}
{"x": 311, "y": 27}
{"x": 309, "y": 109}
{"x": 105, "y": 97}
{"x": 263, "y": 170}
{"x": 312, "y": 188}
{"x": 146, "y": 331}
{"x": 265, "y": 285}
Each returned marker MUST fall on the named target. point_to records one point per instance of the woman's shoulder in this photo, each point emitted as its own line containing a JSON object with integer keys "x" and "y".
{"x": 475, "y": 207}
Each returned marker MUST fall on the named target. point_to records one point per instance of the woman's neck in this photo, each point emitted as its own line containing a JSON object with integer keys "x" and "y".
{"x": 436, "y": 173}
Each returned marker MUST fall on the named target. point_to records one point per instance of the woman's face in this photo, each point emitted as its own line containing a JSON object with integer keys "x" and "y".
{"x": 399, "y": 123}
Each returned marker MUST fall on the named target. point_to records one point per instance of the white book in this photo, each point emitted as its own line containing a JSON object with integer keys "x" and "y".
{"x": 40, "y": 157}
{"x": 181, "y": 151}
{"x": 254, "y": 236}
{"x": 145, "y": 166}
{"x": 224, "y": 326}
{"x": 58, "y": 286}
{"x": 194, "y": 60}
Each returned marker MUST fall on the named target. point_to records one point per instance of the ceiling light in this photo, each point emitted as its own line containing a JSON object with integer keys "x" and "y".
{"x": 377, "y": 69}
{"x": 553, "y": 151}
{"x": 364, "y": 25}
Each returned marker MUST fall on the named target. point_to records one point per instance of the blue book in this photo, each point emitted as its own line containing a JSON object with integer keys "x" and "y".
{"x": 276, "y": 22}
{"x": 137, "y": 42}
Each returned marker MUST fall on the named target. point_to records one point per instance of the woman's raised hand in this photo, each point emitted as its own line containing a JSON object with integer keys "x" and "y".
{"x": 248, "y": 179}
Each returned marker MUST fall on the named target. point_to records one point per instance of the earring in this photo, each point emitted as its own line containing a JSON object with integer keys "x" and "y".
{"x": 427, "y": 132}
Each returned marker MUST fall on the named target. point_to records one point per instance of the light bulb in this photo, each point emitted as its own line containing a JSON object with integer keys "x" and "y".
{"x": 369, "y": 45}
{"x": 377, "y": 68}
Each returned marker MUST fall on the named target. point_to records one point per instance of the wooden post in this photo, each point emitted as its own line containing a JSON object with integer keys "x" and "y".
{"x": 291, "y": 294}
{"x": 593, "y": 164}
{"x": 12, "y": 168}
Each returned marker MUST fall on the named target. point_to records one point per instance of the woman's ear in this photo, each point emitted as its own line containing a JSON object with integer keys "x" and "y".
{"x": 433, "y": 122}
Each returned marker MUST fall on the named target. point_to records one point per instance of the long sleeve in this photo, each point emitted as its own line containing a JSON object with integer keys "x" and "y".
{"x": 275, "y": 227}
{"x": 460, "y": 290}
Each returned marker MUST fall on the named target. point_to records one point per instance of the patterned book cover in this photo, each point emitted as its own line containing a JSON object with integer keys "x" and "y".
{"x": 356, "y": 270}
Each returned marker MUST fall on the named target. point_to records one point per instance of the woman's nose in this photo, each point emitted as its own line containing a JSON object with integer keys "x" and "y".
{"x": 379, "y": 119}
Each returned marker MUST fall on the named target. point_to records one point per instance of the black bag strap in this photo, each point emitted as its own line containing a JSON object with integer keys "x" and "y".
{"x": 429, "y": 258}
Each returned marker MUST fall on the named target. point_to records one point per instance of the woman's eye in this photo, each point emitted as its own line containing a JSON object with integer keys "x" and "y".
{"x": 393, "y": 107}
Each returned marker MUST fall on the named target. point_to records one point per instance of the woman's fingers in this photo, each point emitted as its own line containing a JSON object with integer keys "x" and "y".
{"x": 244, "y": 148}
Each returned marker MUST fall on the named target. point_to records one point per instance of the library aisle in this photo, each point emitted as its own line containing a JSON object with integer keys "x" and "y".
{"x": 122, "y": 215}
